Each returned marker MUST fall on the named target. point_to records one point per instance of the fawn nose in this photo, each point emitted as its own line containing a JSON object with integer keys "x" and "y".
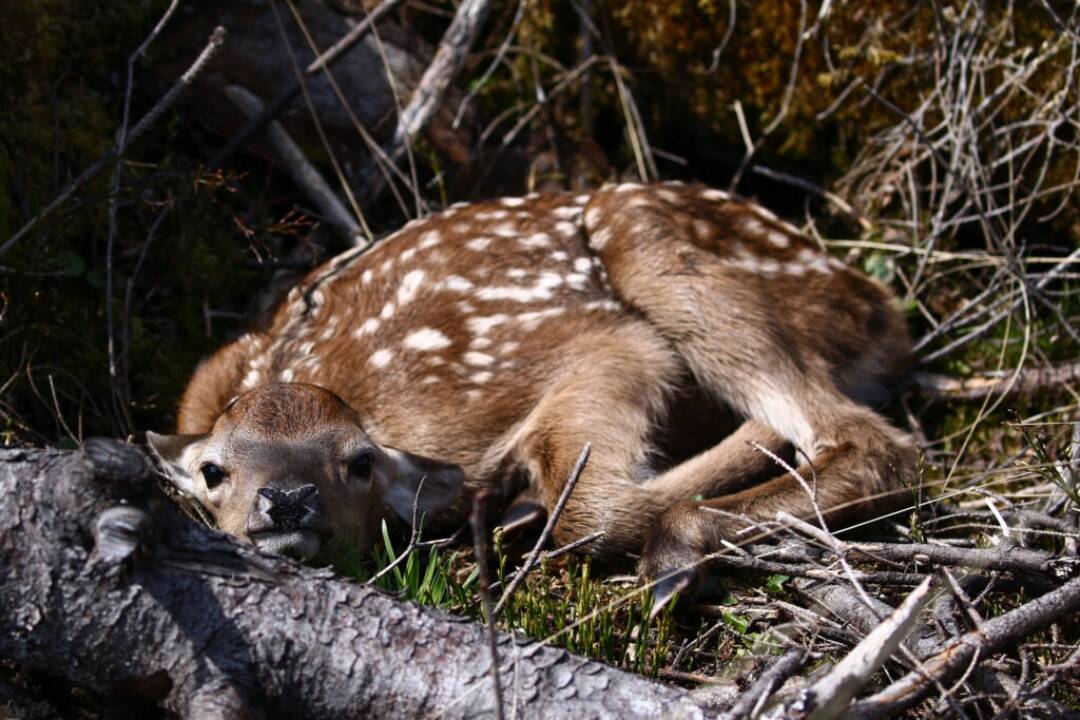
{"x": 278, "y": 510}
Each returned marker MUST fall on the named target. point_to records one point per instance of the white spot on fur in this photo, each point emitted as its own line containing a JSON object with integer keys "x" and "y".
{"x": 482, "y": 325}
{"x": 560, "y": 256}
{"x": 537, "y": 240}
{"x": 381, "y": 358}
{"x": 408, "y": 255}
{"x": 286, "y": 375}
{"x": 410, "y": 286}
{"x": 600, "y": 238}
{"x": 429, "y": 380}
{"x": 480, "y": 343}
{"x": 250, "y": 380}
{"x": 508, "y": 347}
{"x": 768, "y": 266}
{"x": 752, "y": 226}
{"x": 385, "y": 267}
{"x": 515, "y": 294}
{"x": 531, "y": 320}
{"x": 794, "y": 268}
{"x": 478, "y": 358}
{"x": 426, "y": 339}
{"x": 582, "y": 199}
{"x": 512, "y": 201}
{"x": 577, "y": 280}
{"x": 628, "y": 187}
{"x": 549, "y": 280}
{"x": 517, "y": 273}
{"x": 429, "y": 239}
{"x": 466, "y": 308}
{"x": 492, "y": 215}
{"x": 368, "y": 327}
{"x": 473, "y": 395}
{"x": 366, "y": 277}
{"x": 566, "y": 212}
{"x": 606, "y": 305}
{"x": 703, "y": 228}
{"x": 506, "y": 230}
{"x": 582, "y": 264}
{"x": 481, "y": 377}
{"x": 566, "y": 228}
{"x": 387, "y": 311}
{"x": 478, "y": 244}
{"x": 457, "y": 284}
{"x": 668, "y": 195}
{"x": 593, "y": 216}
{"x": 778, "y": 239}
{"x": 715, "y": 195}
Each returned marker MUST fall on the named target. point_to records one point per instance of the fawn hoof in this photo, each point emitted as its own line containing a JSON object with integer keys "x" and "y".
{"x": 669, "y": 586}
{"x": 673, "y": 563}
{"x": 522, "y": 515}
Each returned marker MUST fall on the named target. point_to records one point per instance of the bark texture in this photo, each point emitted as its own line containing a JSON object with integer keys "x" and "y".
{"x": 104, "y": 583}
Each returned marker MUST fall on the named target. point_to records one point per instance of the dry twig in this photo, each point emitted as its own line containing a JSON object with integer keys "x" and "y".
{"x": 217, "y": 38}
{"x": 545, "y": 535}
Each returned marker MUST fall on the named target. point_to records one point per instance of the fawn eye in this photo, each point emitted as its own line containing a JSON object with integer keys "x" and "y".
{"x": 360, "y": 466}
{"x": 212, "y": 474}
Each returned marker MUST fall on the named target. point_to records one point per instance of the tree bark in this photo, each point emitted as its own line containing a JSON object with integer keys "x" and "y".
{"x": 105, "y": 584}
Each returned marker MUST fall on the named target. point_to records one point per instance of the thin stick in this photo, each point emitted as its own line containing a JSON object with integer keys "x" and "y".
{"x": 303, "y": 173}
{"x": 317, "y": 122}
{"x": 428, "y": 96}
{"x": 534, "y": 554}
{"x": 414, "y": 537}
{"x": 1002, "y": 631}
{"x": 217, "y": 38}
{"x": 275, "y": 106}
{"x": 977, "y": 387}
{"x": 480, "y": 548}
{"x": 570, "y": 547}
{"x": 831, "y": 695}
{"x": 119, "y": 383}
{"x": 770, "y": 681}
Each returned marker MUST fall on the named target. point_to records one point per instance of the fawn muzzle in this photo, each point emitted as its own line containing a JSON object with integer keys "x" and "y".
{"x": 287, "y": 521}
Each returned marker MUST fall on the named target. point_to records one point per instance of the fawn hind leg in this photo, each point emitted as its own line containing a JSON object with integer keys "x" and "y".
{"x": 765, "y": 341}
{"x": 629, "y": 373}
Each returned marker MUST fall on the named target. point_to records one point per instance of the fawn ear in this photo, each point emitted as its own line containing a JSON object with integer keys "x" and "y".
{"x": 432, "y": 485}
{"x": 176, "y": 454}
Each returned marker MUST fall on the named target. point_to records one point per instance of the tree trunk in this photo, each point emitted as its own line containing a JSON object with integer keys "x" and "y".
{"x": 104, "y": 583}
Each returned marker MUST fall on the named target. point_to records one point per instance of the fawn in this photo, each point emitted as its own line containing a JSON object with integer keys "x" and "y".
{"x": 482, "y": 347}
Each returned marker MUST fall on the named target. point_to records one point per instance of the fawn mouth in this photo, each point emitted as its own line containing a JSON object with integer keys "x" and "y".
{"x": 301, "y": 544}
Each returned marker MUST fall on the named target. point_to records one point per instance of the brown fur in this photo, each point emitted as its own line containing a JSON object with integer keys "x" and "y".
{"x": 503, "y": 336}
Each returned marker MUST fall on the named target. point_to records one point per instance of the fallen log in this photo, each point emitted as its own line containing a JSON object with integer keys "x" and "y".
{"x": 105, "y": 584}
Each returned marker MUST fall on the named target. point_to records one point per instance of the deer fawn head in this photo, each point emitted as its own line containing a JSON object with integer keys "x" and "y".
{"x": 288, "y": 465}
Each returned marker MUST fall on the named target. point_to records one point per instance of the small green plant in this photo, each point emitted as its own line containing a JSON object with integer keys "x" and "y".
{"x": 427, "y": 576}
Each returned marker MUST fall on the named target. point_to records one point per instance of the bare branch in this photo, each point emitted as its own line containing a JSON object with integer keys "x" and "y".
{"x": 545, "y": 535}
{"x": 217, "y": 38}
